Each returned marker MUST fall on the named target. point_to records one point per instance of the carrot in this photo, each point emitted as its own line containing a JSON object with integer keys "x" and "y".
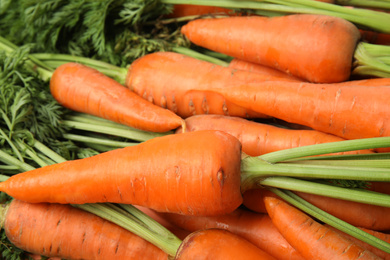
{"x": 257, "y": 138}
{"x": 310, "y": 238}
{"x": 378, "y": 252}
{"x": 375, "y": 37}
{"x": 357, "y": 214}
{"x": 55, "y": 230}
{"x": 182, "y": 10}
{"x": 317, "y": 48}
{"x": 350, "y": 110}
{"x": 218, "y": 244}
{"x": 254, "y": 199}
{"x": 379, "y": 186}
{"x": 258, "y": 68}
{"x": 254, "y": 227}
{"x": 179, "y": 70}
{"x": 193, "y": 173}
{"x": 84, "y": 89}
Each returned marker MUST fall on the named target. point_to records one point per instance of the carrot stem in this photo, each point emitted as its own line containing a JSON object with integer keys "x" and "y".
{"x": 10, "y": 160}
{"x": 200, "y": 56}
{"x": 357, "y": 195}
{"x": 100, "y": 141}
{"x": 370, "y": 60}
{"x": 331, "y": 220}
{"x": 377, "y": 4}
{"x": 346, "y": 163}
{"x": 137, "y": 223}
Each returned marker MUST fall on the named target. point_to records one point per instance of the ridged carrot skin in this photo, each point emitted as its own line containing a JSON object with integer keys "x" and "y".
{"x": 196, "y": 173}
{"x": 84, "y": 89}
{"x": 310, "y": 238}
{"x": 257, "y": 138}
{"x": 258, "y": 68}
{"x": 349, "y": 110}
{"x": 218, "y": 244}
{"x": 176, "y": 77}
{"x": 316, "y": 48}
{"x": 255, "y": 227}
{"x": 55, "y": 230}
{"x": 355, "y": 213}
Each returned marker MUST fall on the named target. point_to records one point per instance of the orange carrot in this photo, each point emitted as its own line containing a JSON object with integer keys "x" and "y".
{"x": 254, "y": 227}
{"x": 317, "y": 48}
{"x": 193, "y": 173}
{"x": 375, "y": 37}
{"x": 355, "y": 213}
{"x": 349, "y": 110}
{"x": 188, "y": 75}
{"x": 379, "y": 186}
{"x": 218, "y": 244}
{"x": 382, "y": 236}
{"x": 254, "y": 199}
{"x": 84, "y": 89}
{"x": 310, "y": 238}
{"x": 55, "y": 230}
{"x": 258, "y": 68}
{"x": 257, "y": 138}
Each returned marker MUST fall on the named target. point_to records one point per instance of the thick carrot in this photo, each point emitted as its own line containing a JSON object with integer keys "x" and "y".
{"x": 194, "y": 173}
{"x": 84, "y": 89}
{"x": 349, "y": 110}
{"x": 56, "y": 230}
{"x": 190, "y": 74}
{"x": 254, "y": 199}
{"x": 317, "y": 48}
{"x": 218, "y": 244}
{"x": 255, "y": 227}
{"x": 380, "y": 235}
{"x": 310, "y": 238}
{"x": 257, "y": 138}
{"x": 258, "y": 68}
{"x": 374, "y": 217}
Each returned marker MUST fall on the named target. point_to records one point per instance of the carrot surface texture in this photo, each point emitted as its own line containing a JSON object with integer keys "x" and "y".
{"x": 349, "y": 110}
{"x": 55, "y": 230}
{"x": 255, "y": 227}
{"x": 317, "y": 48}
{"x": 84, "y": 89}
{"x": 219, "y": 244}
{"x": 260, "y": 138}
{"x": 310, "y": 238}
{"x": 193, "y": 173}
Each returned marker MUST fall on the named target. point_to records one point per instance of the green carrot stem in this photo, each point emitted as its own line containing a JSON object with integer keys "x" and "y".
{"x": 3, "y": 177}
{"x": 368, "y": 156}
{"x": 326, "y": 148}
{"x": 48, "y": 152}
{"x": 200, "y": 56}
{"x": 375, "y": 4}
{"x": 346, "y": 163}
{"x": 136, "y": 225}
{"x": 31, "y": 153}
{"x": 10, "y": 160}
{"x": 357, "y": 195}
{"x": 369, "y": 60}
{"x": 331, "y": 220}
{"x": 95, "y": 140}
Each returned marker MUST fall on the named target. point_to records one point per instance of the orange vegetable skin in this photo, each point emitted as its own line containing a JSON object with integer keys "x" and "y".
{"x": 257, "y": 68}
{"x": 355, "y": 213}
{"x": 311, "y": 239}
{"x": 174, "y": 77}
{"x": 182, "y": 10}
{"x": 254, "y": 227}
{"x": 317, "y": 48}
{"x": 218, "y": 244}
{"x": 195, "y": 173}
{"x": 257, "y": 138}
{"x": 86, "y": 90}
{"x": 55, "y": 230}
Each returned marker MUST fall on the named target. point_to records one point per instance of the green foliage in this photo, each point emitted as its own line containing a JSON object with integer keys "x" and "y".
{"x": 113, "y": 31}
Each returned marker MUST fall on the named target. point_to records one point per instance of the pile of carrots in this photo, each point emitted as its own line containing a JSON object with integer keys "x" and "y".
{"x": 288, "y": 85}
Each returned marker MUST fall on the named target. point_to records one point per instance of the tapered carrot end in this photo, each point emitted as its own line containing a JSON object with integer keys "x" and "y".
{"x": 271, "y": 204}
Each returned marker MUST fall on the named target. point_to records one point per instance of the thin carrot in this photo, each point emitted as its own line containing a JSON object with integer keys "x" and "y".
{"x": 311, "y": 239}
{"x": 258, "y": 68}
{"x": 349, "y": 110}
{"x": 317, "y": 48}
{"x": 374, "y": 217}
{"x": 254, "y": 199}
{"x": 258, "y": 138}
{"x": 189, "y": 74}
{"x": 255, "y": 227}
{"x": 218, "y": 244}
{"x": 55, "y": 230}
{"x": 84, "y": 89}
{"x": 193, "y": 173}
{"x": 380, "y": 235}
